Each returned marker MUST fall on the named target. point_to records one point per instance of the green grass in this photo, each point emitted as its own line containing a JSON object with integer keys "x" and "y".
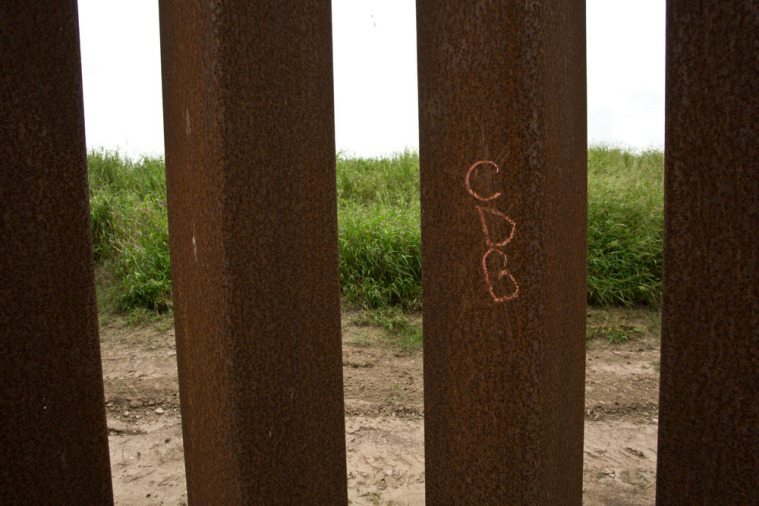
{"x": 625, "y": 227}
{"x": 130, "y": 233}
{"x": 399, "y": 330}
{"x": 619, "y": 325}
{"x": 380, "y": 238}
{"x": 379, "y": 218}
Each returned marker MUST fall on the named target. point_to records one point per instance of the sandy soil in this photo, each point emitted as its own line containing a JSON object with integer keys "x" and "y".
{"x": 384, "y": 418}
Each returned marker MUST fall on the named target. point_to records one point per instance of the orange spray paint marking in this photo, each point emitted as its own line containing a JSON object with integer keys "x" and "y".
{"x": 496, "y": 216}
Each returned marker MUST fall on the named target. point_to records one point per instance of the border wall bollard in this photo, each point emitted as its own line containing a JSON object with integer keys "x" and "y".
{"x": 503, "y": 179}
{"x": 250, "y": 157}
{"x": 53, "y": 437}
{"x": 709, "y": 400}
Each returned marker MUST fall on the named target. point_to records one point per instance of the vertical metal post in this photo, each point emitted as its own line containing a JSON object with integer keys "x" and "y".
{"x": 53, "y": 437}
{"x": 709, "y": 401}
{"x": 503, "y": 173}
{"x": 250, "y": 155}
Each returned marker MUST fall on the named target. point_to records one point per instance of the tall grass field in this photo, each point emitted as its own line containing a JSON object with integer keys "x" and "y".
{"x": 379, "y": 230}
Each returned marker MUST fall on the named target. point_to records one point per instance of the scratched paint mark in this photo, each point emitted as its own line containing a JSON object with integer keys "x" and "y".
{"x": 495, "y": 215}
{"x": 498, "y": 230}
{"x": 194, "y": 244}
{"x": 468, "y": 183}
{"x": 512, "y": 290}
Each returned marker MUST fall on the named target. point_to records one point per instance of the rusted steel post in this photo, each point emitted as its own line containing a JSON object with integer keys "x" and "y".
{"x": 250, "y": 156}
{"x": 709, "y": 396}
{"x": 503, "y": 174}
{"x": 53, "y": 437}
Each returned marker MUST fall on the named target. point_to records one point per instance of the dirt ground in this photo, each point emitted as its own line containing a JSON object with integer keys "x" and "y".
{"x": 384, "y": 414}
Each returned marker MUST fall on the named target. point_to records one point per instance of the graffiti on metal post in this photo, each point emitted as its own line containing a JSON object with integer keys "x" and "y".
{"x": 468, "y": 180}
{"x": 498, "y": 230}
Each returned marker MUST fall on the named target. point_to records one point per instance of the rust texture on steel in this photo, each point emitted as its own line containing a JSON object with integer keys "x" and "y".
{"x": 709, "y": 396}
{"x": 250, "y": 156}
{"x": 503, "y": 181}
{"x": 53, "y": 437}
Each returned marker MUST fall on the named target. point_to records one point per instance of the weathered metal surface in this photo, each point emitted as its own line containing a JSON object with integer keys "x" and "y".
{"x": 709, "y": 397}
{"x": 250, "y": 155}
{"x": 53, "y": 437}
{"x": 503, "y": 163}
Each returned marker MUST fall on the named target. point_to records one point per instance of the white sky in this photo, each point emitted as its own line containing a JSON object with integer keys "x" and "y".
{"x": 375, "y": 74}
